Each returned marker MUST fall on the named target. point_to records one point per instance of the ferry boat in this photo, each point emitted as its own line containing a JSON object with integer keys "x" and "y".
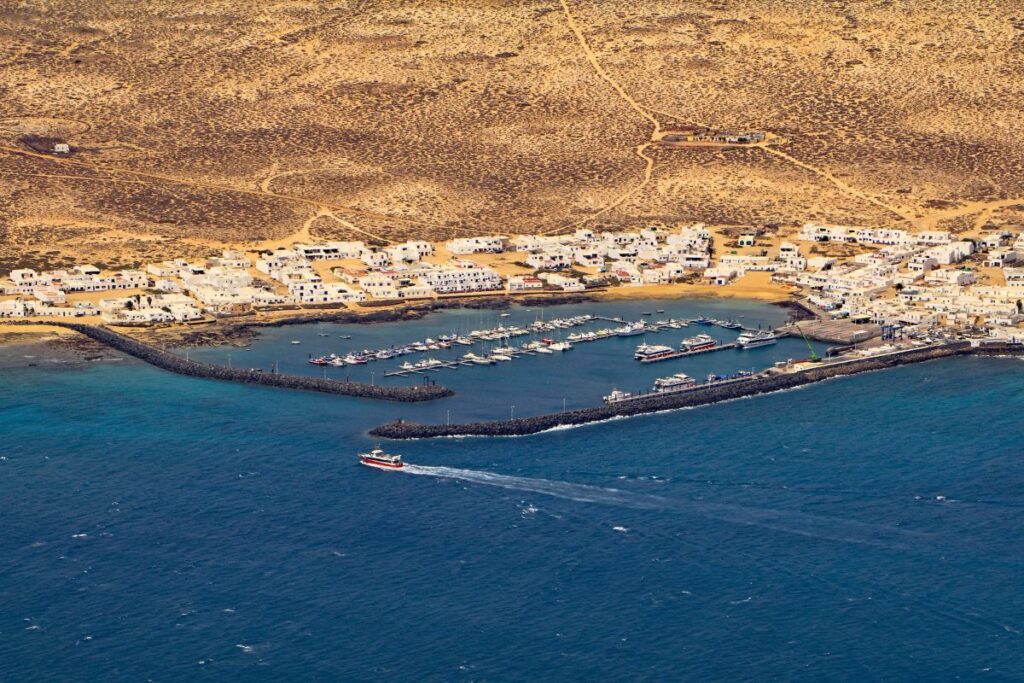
{"x": 381, "y": 460}
{"x": 674, "y": 382}
{"x": 651, "y": 352}
{"x": 702, "y": 342}
{"x": 751, "y": 340}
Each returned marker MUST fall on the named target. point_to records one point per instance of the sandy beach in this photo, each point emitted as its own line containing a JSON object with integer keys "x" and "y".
{"x": 751, "y": 286}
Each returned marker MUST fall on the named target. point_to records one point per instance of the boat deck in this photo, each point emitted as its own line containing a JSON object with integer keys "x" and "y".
{"x": 684, "y": 354}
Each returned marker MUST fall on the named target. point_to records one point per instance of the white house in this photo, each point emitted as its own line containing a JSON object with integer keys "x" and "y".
{"x": 488, "y": 244}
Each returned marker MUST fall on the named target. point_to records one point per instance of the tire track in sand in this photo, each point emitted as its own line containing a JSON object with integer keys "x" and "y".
{"x": 640, "y": 150}
{"x": 113, "y": 172}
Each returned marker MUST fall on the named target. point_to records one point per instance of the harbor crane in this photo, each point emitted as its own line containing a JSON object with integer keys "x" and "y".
{"x": 815, "y": 358}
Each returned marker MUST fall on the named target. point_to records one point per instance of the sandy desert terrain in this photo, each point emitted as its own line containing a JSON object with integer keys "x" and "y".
{"x": 195, "y": 124}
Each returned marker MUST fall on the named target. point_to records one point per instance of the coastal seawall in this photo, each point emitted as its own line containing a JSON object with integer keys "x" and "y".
{"x": 174, "y": 363}
{"x": 697, "y": 397}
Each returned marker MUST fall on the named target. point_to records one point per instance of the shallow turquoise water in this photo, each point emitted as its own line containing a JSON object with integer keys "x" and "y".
{"x": 176, "y": 529}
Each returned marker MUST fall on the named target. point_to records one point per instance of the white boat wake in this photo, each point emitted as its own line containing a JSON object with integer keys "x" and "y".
{"x": 581, "y": 493}
{"x": 785, "y": 521}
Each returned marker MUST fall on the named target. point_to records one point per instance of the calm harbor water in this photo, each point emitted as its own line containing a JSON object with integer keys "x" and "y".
{"x": 160, "y": 527}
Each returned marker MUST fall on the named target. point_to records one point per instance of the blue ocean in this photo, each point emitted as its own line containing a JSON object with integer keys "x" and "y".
{"x": 158, "y": 527}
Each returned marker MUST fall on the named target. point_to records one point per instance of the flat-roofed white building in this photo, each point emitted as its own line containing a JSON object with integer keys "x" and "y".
{"x": 485, "y": 244}
{"x": 456, "y": 280}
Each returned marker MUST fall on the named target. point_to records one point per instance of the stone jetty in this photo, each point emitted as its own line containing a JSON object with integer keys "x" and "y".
{"x": 758, "y": 384}
{"x": 174, "y": 363}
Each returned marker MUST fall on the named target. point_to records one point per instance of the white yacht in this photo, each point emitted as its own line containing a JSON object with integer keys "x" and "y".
{"x": 632, "y": 329}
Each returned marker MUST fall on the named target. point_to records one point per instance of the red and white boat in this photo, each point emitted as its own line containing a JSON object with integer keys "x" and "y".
{"x": 381, "y": 460}
{"x": 702, "y": 342}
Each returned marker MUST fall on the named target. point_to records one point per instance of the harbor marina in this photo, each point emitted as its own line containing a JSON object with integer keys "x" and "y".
{"x": 533, "y": 381}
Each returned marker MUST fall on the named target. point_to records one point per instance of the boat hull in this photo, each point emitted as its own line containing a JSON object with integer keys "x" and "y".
{"x": 381, "y": 465}
{"x": 754, "y": 345}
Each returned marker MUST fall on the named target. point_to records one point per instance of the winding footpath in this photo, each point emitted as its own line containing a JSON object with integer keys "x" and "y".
{"x": 641, "y": 149}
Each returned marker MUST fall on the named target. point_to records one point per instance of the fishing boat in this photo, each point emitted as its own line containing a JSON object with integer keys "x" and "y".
{"x": 381, "y": 460}
{"x": 751, "y": 340}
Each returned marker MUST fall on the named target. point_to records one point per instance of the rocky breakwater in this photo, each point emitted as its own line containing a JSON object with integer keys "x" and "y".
{"x": 759, "y": 384}
{"x": 174, "y": 363}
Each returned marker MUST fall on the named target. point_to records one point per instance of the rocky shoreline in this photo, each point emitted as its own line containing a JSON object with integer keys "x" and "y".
{"x": 698, "y": 397}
